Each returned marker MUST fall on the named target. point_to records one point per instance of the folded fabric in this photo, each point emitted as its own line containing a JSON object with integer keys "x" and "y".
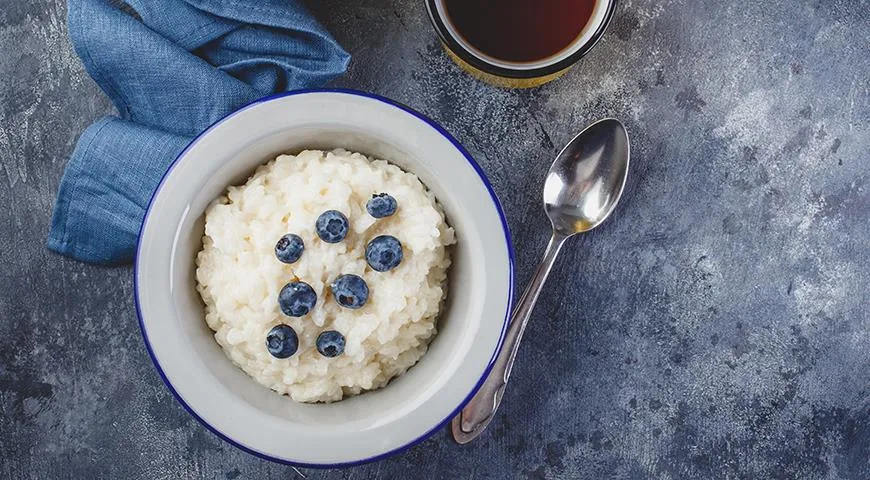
{"x": 172, "y": 68}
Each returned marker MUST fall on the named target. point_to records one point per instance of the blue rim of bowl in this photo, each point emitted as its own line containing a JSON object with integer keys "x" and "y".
{"x": 508, "y": 241}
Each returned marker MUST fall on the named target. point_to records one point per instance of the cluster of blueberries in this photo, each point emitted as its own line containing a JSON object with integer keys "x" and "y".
{"x": 297, "y": 298}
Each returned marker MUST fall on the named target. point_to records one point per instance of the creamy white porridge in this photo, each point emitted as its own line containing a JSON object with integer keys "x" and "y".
{"x": 239, "y": 276}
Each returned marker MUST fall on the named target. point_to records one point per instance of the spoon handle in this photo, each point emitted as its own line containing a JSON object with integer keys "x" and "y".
{"x": 480, "y": 410}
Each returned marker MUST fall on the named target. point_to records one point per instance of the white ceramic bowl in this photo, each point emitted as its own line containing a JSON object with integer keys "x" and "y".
{"x": 362, "y": 428}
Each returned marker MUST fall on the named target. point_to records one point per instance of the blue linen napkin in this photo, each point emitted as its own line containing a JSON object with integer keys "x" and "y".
{"x": 172, "y": 68}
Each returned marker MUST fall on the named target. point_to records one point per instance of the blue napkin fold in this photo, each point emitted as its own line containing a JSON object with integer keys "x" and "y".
{"x": 172, "y": 68}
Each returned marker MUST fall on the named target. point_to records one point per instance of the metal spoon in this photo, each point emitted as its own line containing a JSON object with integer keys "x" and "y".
{"x": 582, "y": 188}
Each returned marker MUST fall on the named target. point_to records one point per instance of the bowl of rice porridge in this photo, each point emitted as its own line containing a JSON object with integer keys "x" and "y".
{"x": 324, "y": 278}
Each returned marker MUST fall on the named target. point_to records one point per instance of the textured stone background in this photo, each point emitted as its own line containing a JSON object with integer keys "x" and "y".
{"x": 715, "y": 327}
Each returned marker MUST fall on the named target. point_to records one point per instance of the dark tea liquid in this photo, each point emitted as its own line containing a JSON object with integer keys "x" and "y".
{"x": 519, "y": 30}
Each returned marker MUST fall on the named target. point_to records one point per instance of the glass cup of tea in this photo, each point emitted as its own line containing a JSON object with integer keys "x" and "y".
{"x": 519, "y": 43}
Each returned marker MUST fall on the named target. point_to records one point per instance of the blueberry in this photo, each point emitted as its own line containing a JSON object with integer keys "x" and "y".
{"x": 381, "y": 205}
{"x": 330, "y": 343}
{"x": 289, "y": 248}
{"x": 350, "y": 291}
{"x": 384, "y": 253}
{"x": 332, "y": 226}
{"x": 282, "y": 341}
{"x": 297, "y": 299}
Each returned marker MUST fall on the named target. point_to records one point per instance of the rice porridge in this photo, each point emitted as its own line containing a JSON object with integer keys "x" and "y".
{"x": 324, "y": 274}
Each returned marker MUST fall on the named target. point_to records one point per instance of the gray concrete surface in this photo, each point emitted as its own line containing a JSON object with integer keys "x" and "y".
{"x": 716, "y": 327}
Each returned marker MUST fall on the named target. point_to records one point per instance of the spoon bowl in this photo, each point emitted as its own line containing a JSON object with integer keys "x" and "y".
{"x": 587, "y": 178}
